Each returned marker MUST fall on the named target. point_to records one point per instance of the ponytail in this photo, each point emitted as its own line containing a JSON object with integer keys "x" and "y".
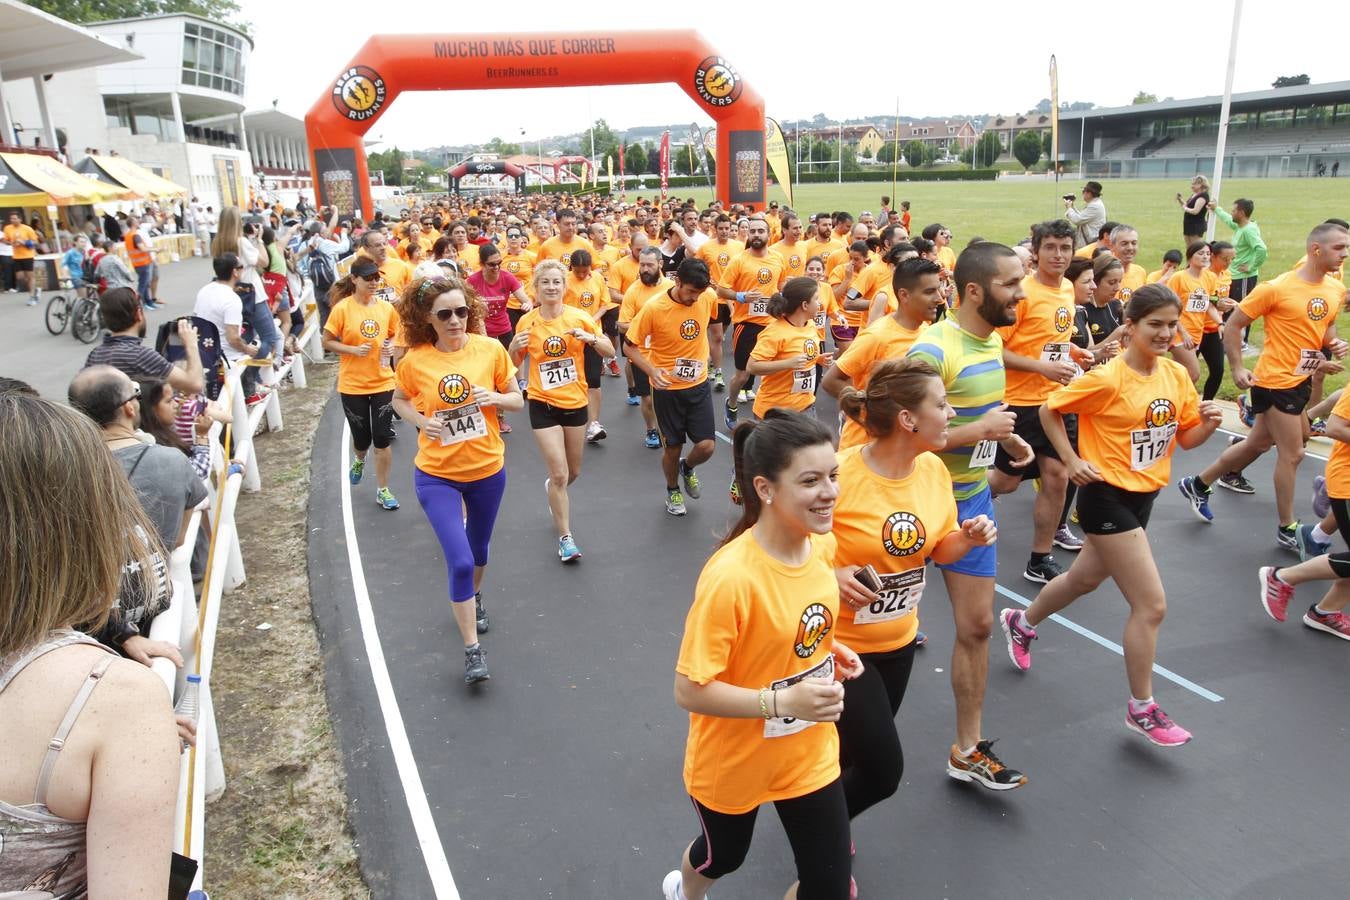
{"x": 796, "y": 292}
{"x": 766, "y": 448}
{"x": 892, "y": 386}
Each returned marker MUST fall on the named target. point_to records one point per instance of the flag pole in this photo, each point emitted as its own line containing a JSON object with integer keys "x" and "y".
{"x": 895, "y": 151}
{"x": 1223, "y": 113}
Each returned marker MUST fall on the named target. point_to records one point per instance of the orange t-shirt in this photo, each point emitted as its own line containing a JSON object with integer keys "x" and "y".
{"x": 873, "y": 280}
{"x": 19, "y": 235}
{"x": 1132, "y": 280}
{"x": 623, "y": 274}
{"x": 1338, "y": 463}
{"x": 1196, "y": 296}
{"x": 554, "y": 248}
{"x": 557, "y": 370}
{"x": 883, "y": 339}
{"x": 793, "y": 389}
{"x": 794, "y": 258}
{"x": 589, "y": 294}
{"x": 748, "y": 272}
{"x": 602, "y": 260}
{"x": 637, "y": 296}
{"x": 756, "y": 623}
{"x": 674, "y": 337}
{"x": 1298, "y": 314}
{"x": 892, "y": 525}
{"x": 816, "y": 247}
{"x": 441, "y": 384}
{"x": 718, "y": 256}
{"x": 1224, "y": 281}
{"x": 830, "y": 308}
{"x": 1128, "y": 422}
{"x": 522, "y": 266}
{"x": 1044, "y": 323}
{"x": 354, "y": 323}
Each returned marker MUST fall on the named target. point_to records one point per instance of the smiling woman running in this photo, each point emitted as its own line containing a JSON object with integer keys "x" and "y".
{"x": 1134, "y": 412}
{"x": 759, "y": 668}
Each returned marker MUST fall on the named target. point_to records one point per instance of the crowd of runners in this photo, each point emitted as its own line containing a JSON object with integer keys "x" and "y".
{"x": 958, "y": 376}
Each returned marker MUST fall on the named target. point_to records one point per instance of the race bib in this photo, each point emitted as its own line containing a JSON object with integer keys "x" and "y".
{"x": 982, "y": 457}
{"x": 557, "y": 372}
{"x": 1197, "y": 302}
{"x": 1058, "y": 352}
{"x": 899, "y": 596}
{"x": 783, "y": 726}
{"x": 1308, "y": 362}
{"x": 759, "y": 307}
{"x": 386, "y": 293}
{"x": 821, "y": 321}
{"x": 1148, "y": 445}
{"x": 804, "y": 381}
{"x": 464, "y": 423}
{"x": 688, "y": 369}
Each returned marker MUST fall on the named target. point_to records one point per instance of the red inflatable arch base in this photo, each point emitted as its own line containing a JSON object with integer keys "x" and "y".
{"x": 388, "y": 65}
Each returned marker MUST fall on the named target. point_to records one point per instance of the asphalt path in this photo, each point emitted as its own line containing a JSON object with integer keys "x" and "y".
{"x": 561, "y": 777}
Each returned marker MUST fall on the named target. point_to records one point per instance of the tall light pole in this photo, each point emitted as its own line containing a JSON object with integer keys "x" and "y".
{"x": 1223, "y": 111}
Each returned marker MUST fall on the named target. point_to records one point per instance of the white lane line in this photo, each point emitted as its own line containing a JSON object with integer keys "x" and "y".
{"x": 1115, "y": 648}
{"x": 1306, "y": 452}
{"x": 428, "y": 838}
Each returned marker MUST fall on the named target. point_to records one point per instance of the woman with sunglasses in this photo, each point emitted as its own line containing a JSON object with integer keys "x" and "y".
{"x": 556, "y": 337}
{"x": 360, "y": 330}
{"x": 452, "y": 385}
{"x": 497, "y": 288}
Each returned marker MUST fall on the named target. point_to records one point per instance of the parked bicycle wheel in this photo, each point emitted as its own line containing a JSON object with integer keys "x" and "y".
{"x": 58, "y": 314}
{"x": 85, "y": 322}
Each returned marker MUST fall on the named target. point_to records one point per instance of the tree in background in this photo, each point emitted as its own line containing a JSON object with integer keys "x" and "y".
{"x": 86, "y": 11}
{"x": 1027, "y": 148}
{"x": 390, "y": 162}
{"x": 913, "y": 151}
{"x": 986, "y": 151}
{"x": 1290, "y": 81}
{"x": 501, "y": 147}
{"x": 1144, "y": 97}
{"x": 606, "y": 142}
{"x": 887, "y": 153}
{"x": 634, "y": 159}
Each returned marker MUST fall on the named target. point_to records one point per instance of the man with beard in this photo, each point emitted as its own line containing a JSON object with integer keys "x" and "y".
{"x": 748, "y": 283}
{"x": 967, "y": 353}
{"x": 1037, "y": 354}
{"x": 717, "y": 254}
{"x": 567, "y": 240}
{"x": 124, "y": 317}
{"x": 823, "y": 242}
{"x": 650, "y": 283}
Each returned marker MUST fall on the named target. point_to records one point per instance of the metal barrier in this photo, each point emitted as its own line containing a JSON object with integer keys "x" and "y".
{"x": 192, "y": 626}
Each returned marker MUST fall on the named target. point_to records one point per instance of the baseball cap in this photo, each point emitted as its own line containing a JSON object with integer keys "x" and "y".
{"x": 364, "y": 268}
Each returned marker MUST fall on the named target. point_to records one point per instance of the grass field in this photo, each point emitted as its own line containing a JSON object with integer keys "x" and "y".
{"x": 1286, "y": 210}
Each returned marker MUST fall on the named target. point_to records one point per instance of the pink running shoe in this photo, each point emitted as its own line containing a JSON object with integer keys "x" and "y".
{"x": 1336, "y": 623}
{"x": 1155, "y": 725}
{"x": 1275, "y": 594}
{"x": 1019, "y": 635}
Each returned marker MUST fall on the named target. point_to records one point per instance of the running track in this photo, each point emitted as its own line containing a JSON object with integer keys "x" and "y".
{"x": 561, "y": 776}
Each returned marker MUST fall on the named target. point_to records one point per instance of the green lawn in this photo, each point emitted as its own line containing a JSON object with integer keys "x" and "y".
{"x": 1286, "y": 210}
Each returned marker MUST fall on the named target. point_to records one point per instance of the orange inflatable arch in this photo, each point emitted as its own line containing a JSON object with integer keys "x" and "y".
{"x": 388, "y": 65}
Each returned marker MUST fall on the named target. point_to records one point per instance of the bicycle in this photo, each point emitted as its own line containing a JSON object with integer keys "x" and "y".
{"x": 86, "y": 321}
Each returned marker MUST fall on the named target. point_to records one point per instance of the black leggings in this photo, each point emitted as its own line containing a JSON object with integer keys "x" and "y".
{"x": 816, "y": 826}
{"x": 371, "y": 417}
{"x": 869, "y": 745}
{"x": 1211, "y": 351}
{"x": 1340, "y": 562}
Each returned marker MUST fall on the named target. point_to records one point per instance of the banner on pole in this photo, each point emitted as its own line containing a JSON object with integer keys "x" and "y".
{"x": 665, "y": 165}
{"x": 623, "y": 180}
{"x": 775, "y": 149}
{"x": 609, "y": 170}
{"x": 1054, "y": 117}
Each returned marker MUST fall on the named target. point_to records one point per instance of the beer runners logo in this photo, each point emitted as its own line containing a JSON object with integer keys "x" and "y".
{"x": 370, "y": 328}
{"x": 454, "y": 389}
{"x": 903, "y": 534}
{"x": 717, "y": 82}
{"x": 554, "y": 346}
{"x": 1063, "y": 319}
{"x": 689, "y": 329}
{"x": 794, "y": 261}
{"x": 1318, "y": 309}
{"x": 359, "y": 93}
{"x": 587, "y": 299}
{"x": 1124, "y": 294}
{"x": 1161, "y": 412}
{"x": 812, "y": 627}
{"x": 809, "y": 349}
{"x": 764, "y": 275}
{"x": 723, "y": 258}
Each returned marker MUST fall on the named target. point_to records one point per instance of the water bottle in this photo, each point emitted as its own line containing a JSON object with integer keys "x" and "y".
{"x": 387, "y": 354}
{"x": 190, "y": 703}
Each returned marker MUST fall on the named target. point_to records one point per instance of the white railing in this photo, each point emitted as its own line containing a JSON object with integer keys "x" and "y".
{"x": 192, "y": 626}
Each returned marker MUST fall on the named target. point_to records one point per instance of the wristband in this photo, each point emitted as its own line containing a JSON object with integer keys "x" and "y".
{"x": 740, "y": 296}
{"x": 763, "y": 707}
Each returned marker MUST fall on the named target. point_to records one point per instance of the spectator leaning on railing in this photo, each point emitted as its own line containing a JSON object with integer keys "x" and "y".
{"x": 218, "y": 304}
{"x": 124, "y": 317}
{"x": 104, "y": 727}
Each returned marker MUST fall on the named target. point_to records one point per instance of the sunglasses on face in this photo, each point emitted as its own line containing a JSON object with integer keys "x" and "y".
{"x": 367, "y": 277}
{"x": 443, "y": 314}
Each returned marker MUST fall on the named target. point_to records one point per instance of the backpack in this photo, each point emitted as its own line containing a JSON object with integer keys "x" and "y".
{"x": 321, "y": 271}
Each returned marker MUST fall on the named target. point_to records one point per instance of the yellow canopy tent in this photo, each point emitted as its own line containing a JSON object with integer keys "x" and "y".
{"x": 119, "y": 171}
{"x": 38, "y": 180}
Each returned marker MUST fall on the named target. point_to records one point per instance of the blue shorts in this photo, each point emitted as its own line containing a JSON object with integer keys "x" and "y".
{"x": 981, "y": 561}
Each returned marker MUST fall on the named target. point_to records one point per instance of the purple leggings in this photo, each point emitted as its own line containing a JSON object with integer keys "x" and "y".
{"x": 465, "y": 545}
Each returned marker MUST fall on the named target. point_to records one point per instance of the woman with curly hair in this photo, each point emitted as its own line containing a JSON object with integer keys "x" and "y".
{"x": 452, "y": 385}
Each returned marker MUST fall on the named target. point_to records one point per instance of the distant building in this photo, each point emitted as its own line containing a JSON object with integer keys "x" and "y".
{"x": 864, "y": 139}
{"x": 1009, "y": 127}
{"x": 953, "y": 135}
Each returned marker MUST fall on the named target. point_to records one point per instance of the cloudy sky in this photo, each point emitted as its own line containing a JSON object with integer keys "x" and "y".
{"x": 948, "y": 58}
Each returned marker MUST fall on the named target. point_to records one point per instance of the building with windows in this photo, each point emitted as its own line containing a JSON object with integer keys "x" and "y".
{"x": 1009, "y": 127}
{"x": 950, "y": 135}
{"x": 177, "y": 108}
{"x": 1302, "y": 130}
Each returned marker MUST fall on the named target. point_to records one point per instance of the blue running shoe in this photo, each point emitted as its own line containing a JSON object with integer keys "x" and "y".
{"x": 1199, "y": 499}
{"x": 567, "y": 549}
{"x": 1245, "y": 411}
